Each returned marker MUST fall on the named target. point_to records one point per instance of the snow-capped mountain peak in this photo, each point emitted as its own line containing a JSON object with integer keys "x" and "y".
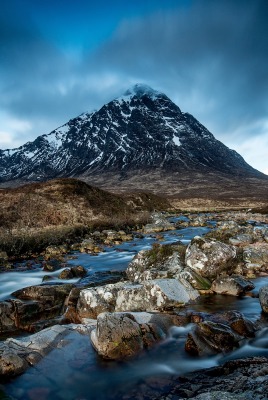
{"x": 141, "y": 130}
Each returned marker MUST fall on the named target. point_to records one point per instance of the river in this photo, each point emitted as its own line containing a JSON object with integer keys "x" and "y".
{"x": 75, "y": 372}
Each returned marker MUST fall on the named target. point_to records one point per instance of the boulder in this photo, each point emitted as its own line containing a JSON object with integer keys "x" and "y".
{"x": 157, "y": 294}
{"x": 210, "y": 258}
{"x": 52, "y": 251}
{"x": 123, "y": 335}
{"x": 256, "y": 256}
{"x": 94, "y": 301}
{"x": 234, "y": 285}
{"x": 159, "y": 262}
{"x": 220, "y": 332}
{"x": 263, "y": 297}
{"x": 209, "y": 338}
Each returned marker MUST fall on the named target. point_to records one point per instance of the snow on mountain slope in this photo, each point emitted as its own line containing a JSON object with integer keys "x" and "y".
{"x": 143, "y": 129}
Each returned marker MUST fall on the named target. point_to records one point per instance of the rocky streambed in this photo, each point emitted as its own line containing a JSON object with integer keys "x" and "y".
{"x": 114, "y": 326}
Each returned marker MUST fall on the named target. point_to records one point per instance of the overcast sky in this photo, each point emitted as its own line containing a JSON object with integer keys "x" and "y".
{"x": 61, "y": 58}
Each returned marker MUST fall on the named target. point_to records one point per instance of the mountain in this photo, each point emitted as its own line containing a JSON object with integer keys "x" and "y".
{"x": 137, "y": 134}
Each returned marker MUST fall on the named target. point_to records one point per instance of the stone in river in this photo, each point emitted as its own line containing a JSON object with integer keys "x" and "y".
{"x": 210, "y": 258}
{"x": 234, "y": 285}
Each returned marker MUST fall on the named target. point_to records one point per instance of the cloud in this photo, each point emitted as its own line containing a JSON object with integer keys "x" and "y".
{"x": 209, "y": 57}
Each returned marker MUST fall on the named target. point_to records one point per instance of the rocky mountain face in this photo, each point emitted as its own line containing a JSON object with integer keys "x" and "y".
{"x": 143, "y": 129}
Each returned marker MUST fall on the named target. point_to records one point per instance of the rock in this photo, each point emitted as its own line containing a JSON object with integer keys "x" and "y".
{"x": 157, "y": 294}
{"x": 11, "y": 364}
{"x": 7, "y": 317}
{"x": 47, "y": 278}
{"x": 210, "y": 258}
{"x": 99, "y": 299}
{"x": 234, "y": 285}
{"x": 52, "y": 251}
{"x": 17, "y": 355}
{"x": 123, "y": 335}
{"x": 3, "y": 257}
{"x": 164, "y": 261}
{"x": 47, "y": 302}
{"x": 117, "y": 336}
{"x": 256, "y": 256}
{"x": 66, "y": 274}
{"x": 209, "y": 337}
{"x": 52, "y": 265}
{"x": 159, "y": 224}
{"x": 263, "y": 297}
{"x": 79, "y": 271}
{"x": 241, "y": 239}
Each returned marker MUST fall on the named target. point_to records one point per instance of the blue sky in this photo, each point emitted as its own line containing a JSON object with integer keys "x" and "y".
{"x": 61, "y": 58}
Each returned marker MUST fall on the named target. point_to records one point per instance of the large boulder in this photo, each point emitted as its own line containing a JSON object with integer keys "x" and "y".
{"x": 234, "y": 285}
{"x": 123, "y": 335}
{"x": 263, "y": 297}
{"x": 157, "y": 294}
{"x": 162, "y": 261}
{"x": 210, "y": 258}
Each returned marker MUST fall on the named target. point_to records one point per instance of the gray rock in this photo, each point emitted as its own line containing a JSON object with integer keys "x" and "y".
{"x": 157, "y": 294}
{"x": 123, "y": 335}
{"x": 256, "y": 256}
{"x": 263, "y": 297}
{"x": 210, "y": 258}
{"x": 241, "y": 239}
{"x": 234, "y": 285}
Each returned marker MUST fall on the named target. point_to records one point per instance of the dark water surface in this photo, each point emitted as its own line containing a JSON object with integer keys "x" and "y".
{"x": 75, "y": 372}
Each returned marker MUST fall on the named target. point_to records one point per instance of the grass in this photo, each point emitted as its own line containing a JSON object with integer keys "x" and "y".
{"x": 37, "y": 215}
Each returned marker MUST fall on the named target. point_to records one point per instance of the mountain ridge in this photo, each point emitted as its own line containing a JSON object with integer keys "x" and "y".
{"x": 141, "y": 131}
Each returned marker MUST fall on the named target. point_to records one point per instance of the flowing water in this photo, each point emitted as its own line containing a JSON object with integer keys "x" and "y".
{"x": 75, "y": 372}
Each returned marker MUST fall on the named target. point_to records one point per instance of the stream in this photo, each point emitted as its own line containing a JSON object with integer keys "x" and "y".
{"x": 75, "y": 372}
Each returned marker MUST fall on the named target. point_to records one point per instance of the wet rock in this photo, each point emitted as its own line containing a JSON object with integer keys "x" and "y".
{"x": 7, "y": 317}
{"x": 79, "y": 271}
{"x": 157, "y": 294}
{"x": 47, "y": 278}
{"x": 47, "y": 302}
{"x": 209, "y": 337}
{"x": 210, "y": 258}
{"x": 52, "y": 265}
{"x": 11, "y": 364}
{"x": 3, "y": 257}
{"x": 234, "y": 285}
{"x": 123, "y": 335}
{"x": 263, "y": 297}
{"x": 66, "y": 274}
{"x": 17, "y": 355}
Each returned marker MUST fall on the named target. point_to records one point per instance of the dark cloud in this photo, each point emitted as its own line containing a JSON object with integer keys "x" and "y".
{"x": 212, "y": 52}
{"x": 209, "y": 56}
